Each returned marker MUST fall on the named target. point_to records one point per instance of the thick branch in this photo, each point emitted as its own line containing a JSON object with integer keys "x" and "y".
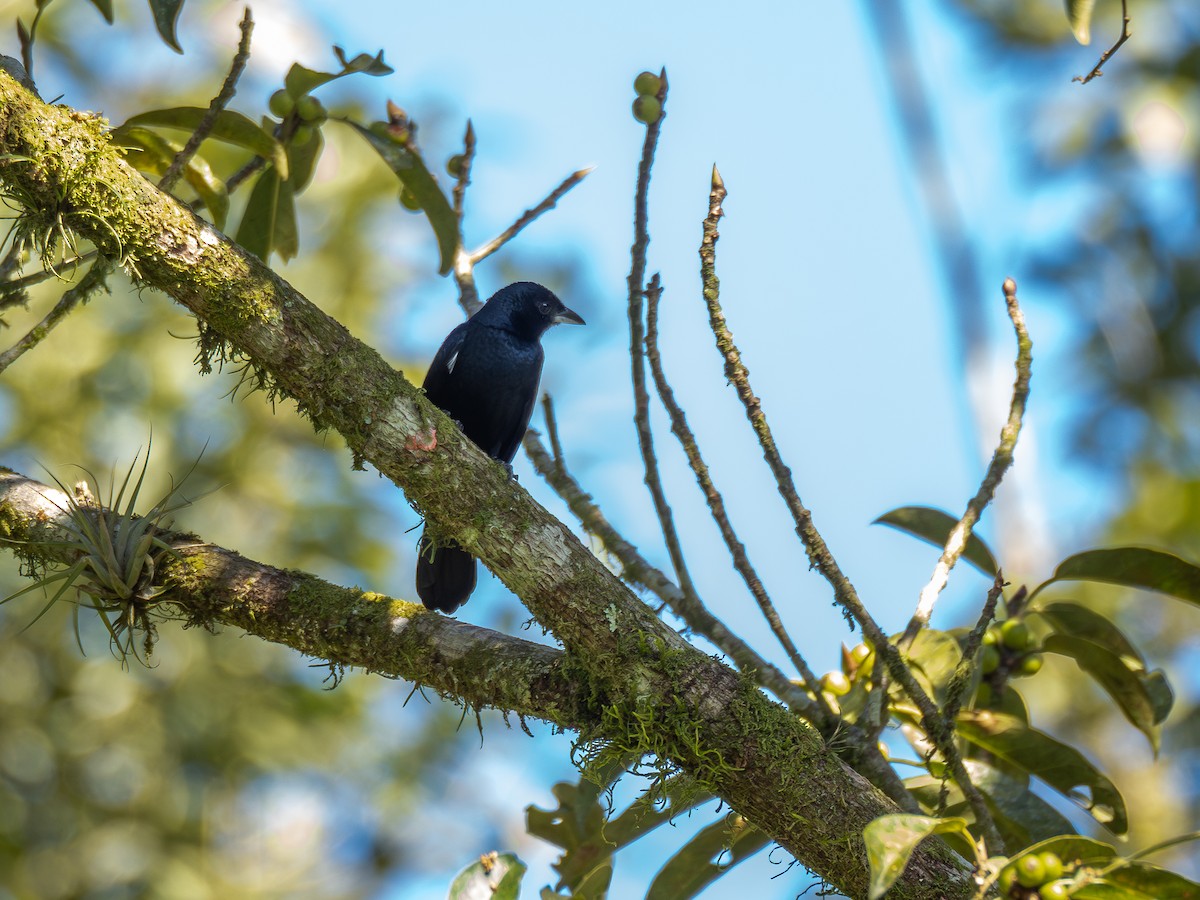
{"x": 662, "y": 695}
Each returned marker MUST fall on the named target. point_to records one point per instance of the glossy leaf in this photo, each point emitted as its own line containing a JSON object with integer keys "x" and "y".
{"x": 1073, "y": 849}
{"x": 301, "y": 80}
{"x": 1140, "y": 881}
{"x": 1135, "y": 567}
{"x": 1125, "y": 683}
{"x": 706, "y": 857}
{"x": 230, "y": 127}
{"x": 154, "y": 154}
{"x": 166, "y": 18}
{"x": 411, "y": 171}
{"x": 1062, "y": 767}
{"x": 933, "y": 656}
{"x": 494, "y": 877}
{"x": 934, "y": 526}
{"x": 1079, "y": 15}
{"x": 256, "y": 233}
{"x": 1081, "y": 621}
{"x": 302, "y": 161}
{"x": 891, "y": 840}
{"x": 106, "y": 9}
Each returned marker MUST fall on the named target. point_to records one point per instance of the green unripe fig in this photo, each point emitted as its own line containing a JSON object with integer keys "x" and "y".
{"x": 454, "y": 165}
{"x": 303, "y": 134}
{"x": 989, "y": 660}
{"x": 1014, "y": 634}
{"x": 835, "y": 683}
{"x": 1008, "y": 878}
{"x": 1052, "y": 864}
{"x": 310, "y": 109}
{"x": 281, "y": 104}
{"x": 1055, "y": 890}
{"x": 647, "y": 83}
{"x": 409, "y": 200}
{"x": 1031, "y": 664}
{"x": 863, "y": 655}
{"x": 1030, "y": 871}
{"x": 991, "y": 636}
{"x": 647, "y": 109}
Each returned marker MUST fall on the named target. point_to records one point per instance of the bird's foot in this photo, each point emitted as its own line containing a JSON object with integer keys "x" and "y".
{"x": 509, "y": 469}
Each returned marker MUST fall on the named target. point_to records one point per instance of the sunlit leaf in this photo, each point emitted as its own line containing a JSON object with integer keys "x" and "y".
{"x": 934, "y": 655}
{"x": 493, "y": 877}
{"x": 706, "y": 857}
{"x": 411, "y": 171}
{"x": 1079, "y": 15}
{"x": 1126, "y": 684}
{"x": 166, "y": 17}
{"x": 1135, "y": 567}
{"x": 1062, "y": 767}
{"x": 229, "y": 126}
{"x": 891, "y": 840}
{"x": 934, "y": 526}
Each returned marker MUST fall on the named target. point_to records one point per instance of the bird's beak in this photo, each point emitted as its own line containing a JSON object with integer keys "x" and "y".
{"x": 568, "y": 316}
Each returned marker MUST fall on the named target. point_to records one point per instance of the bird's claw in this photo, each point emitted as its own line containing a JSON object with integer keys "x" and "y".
{"x": 509, "y": 469}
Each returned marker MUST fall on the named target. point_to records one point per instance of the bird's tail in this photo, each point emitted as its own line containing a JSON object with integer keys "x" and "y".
{"x": 445, "y": 575}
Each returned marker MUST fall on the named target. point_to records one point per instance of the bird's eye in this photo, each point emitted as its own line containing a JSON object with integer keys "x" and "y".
{"x": 543, "y": 306}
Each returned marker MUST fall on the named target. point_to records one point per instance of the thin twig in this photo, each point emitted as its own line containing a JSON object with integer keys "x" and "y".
{"x": 71, "y": 298}
{"x": 28, "y": 281}
{"x": 819, "y": 556}
{"x": 716, "y": 503}
{"x": 464, "y": 268}
{"x": 1002, "y": 459}
{"x": 219, "y": 102}
{"x": 1107, "y": 54}
{"x": 962, "y": 673}
{"x": 552, "y": 430}
{"x": 479, "y": 254}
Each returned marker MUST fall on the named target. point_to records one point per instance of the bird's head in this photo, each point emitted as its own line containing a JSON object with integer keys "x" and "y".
{"x": 526, "y": 309}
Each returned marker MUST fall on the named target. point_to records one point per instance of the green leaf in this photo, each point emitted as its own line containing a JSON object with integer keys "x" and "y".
{"x": 1135, "y": 567}
{"x": 706, "y": 857}
{"x": 1062, "y": 767}
{"x": 411, "y": 171}
{"x": 934, "y": 655}
{"x": 301, "y": 80}
{"x": 257, "y": 229}
{"x": 302, "y": 161}
{"x": 1079, "y": 15}
{"x": 577, "y": 825}
{"x": 1073, "y": 848}
{"x": 891, "y": 841}
{"x": 1140, "y": 881}
{"x": 166, "y": 16}
{"x": 1021, "y": 815}
{"x": 230, "y": 127}
{"x": 934, "y": 526}
{"x": 1145, "y": 708}
{"x": 1080, "y": 621}
{"x": 106, "y": 9}
{"x": 362, "y": 62}
{"x": 286, "y": 239}
{"x": 154, "y": 154}
{"x": 494, "y": 877}
{"x": 649, "y": 810}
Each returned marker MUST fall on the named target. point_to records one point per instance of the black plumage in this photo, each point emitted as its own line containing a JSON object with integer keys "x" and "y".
{"x": 485, "y": 377}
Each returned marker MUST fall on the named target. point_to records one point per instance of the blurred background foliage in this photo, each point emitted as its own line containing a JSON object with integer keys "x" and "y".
{"x": 228, "y": 768}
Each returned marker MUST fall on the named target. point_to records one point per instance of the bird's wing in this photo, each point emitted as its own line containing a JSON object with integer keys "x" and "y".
{"x": 437, "y": 379}
{"x": 520, "y": 422}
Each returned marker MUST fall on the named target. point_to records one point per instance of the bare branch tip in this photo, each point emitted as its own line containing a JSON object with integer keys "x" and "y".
{"x": 1010, "y": 288}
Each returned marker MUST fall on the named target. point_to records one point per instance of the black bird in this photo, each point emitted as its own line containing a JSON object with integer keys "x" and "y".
{"x": 485, "y": 377}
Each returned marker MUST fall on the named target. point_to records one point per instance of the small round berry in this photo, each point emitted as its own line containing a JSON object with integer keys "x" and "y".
{"x": 863, "y": 656}
{"x": 303, "y": 134}
{"x": 991, "y": 636}
{"x": 1030, "y": 871}
{"x": 1055, "y": 890}
{"x": 1007, "y": 880}
{"x": 1052, "y": 864}
{"x": 835, "y": 683}
{"x": 454, "y": 165}
{"x": 310, "y": 109}
{"x": 647, "y": 84}
{"x": 1030, "y": 665}
{"x": 281, "y": 104}
{"x": 409, "y": 200}
{"x": 1014, "y": 634}
{"x": 647, "y": 109}
{"x": 989, "y": 660}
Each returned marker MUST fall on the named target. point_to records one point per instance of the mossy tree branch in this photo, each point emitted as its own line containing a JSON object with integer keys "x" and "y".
{"x": 660, "y": 694}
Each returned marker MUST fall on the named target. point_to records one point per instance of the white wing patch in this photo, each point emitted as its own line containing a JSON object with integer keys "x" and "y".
{"x": 451, "y": 361}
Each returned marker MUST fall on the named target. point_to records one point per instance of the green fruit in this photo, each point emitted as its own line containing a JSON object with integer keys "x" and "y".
{"x": 303, "y": 134}
{"x": 863, "y": 657}
{"x": 647, "y": 109}
{"x": 989, "y": 660}
{"x": 310, "y": 110}
{"x": 454, "y": 165}
{"x": 281, "y": 104}
{"x": 1030, "y": 871}
{"x": 1052, "y": 864}
{"x": 647, "y": 83}
{"x": 835, "y": 683}
{"x": 991, "y": 636}
{"x": 409, "y": 200}
{"x": 1015, "y": 635}
{"x": 1031, "y": 664}
{"x": 1007, "y": 879}
{"x": 1056, "y": 890}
